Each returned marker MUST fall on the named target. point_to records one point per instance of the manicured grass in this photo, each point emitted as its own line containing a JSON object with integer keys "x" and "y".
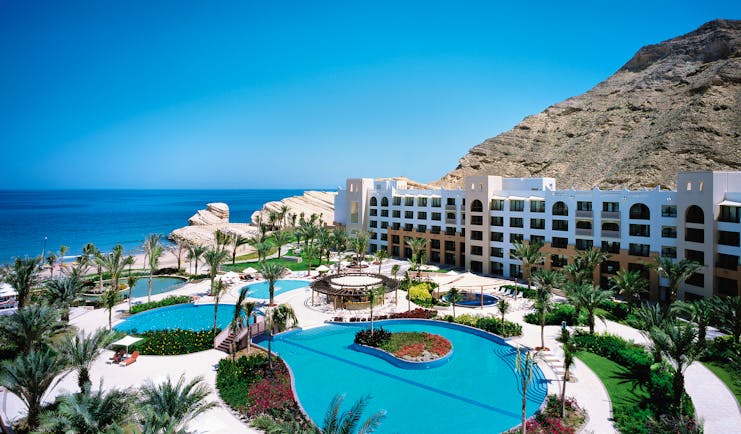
{"x": 622, "y": 392}
{"x": 727, "y": 376}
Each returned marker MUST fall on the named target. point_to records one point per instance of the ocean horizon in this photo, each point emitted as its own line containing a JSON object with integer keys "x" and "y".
{"x": 32, "y": 221}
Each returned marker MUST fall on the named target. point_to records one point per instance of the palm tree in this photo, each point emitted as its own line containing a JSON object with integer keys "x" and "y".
{"x": 63, "y": 292}
{"x": 80, "y": 351}
{"x": 31, "y": 328}
{"x": 417, "y": 245}
{"x": 729, "y": 314}
{"x": 676, "y": 341}
{"x": 323, "y": 242}
{"x": 62, "y": 253}
{"x": 454, "y": 296}
{"x": 339, "y": 236}
{"x": 374, "y": 294}
{"x": 582, "y": 270}
{"x": 530, "y": 255}
{"x": 502, "y": 307}
{"x": 676, "y": 273}
{"x": 360, "y": 244}
{"x": 218, "y": 289}
{"x": 271, "y": 271}
{"x": 214, "y": 258}
{"x": 278, "y": 319}
{"x": 29, "y": 376}
{"x": 631, "y": 285}
{"x": 543, "y": 305}
{"x": 109, "y": 299}
{"x": 334, "y": 423}
{"x": 702, "y": 312}
{"x": 174, "y": 405}
{"x": 569, "y": 350}
{"x": 650, "y": 317}
{"x": 381, "y": 255}
{"x": 281, "y": 238}
{"x": 310, "y": 251}
{"x": 89, "y": 412}
{"x": 394, "y": 272}
{"x": 179, "y": 249}
{"x": 152, "y": 251}
{"x": 283, "y": 212}
{"x": 114, "y": 263}
{"x": 236, "y": 242}
{"x": 589, "y": 298}
{"x": 222, "y": 239}
{"x": 195, "y": 252}
{"x": 91, "y": 252}
{"x": 130, "y": 282}
{"x": 524, "y": 369}
{"x": 548, "y": 280}
{"x": 22, "y": 276}
{"x": 51, "y": 260}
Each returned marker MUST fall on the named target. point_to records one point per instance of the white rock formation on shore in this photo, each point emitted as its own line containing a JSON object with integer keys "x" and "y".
{"x": 312, "y": 202}
{"x": 215, "y": 213}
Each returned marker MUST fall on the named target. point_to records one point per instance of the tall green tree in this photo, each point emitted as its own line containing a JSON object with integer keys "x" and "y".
{"x": 394, "y": 272}
{"x": 243, "y": 310}
{"x": 218, "y": 289}
{"x": 347, "y": 422}
{"x": 89, "y": 412}
{"x": 109, "y": 299}
{"x": 195, "y": 253}
{"x": 381, "y": 256}
{"x": 114, "y": 263}
{"x": 311, "y": 252}
{"x": 278, "y": 319}
{"x": 585, "y": 262}
{"x": 214, "y": 258}
{"x": 502, "y": 307}
{"x": 271, "y": 271}
{"x": 675, "y": 273}
{"x": 92, "y": 254}
{"x": 339, "y": 236}
{"x": 524, "y": 369}
{"x": 543, "y": 305}
{"x": 22, "y": 275}
{"x": 282, "y": 238}
{"x": 417, "y": 246}
{"x": 589, "y": 297}
{"x": 359, "y": 244}
{"x": 63, "y": 292}
{"x": 324, "y": 243}
{"x": 530, "y": 255}
{"x": 81, "y": 350}
{"x": 631, "y": 285}
{"x": 373, "y": 295}
{"x": 237, "y": 241}
{"x": 701, "y": 312}
{"x": 62, "y": 253}
{"x": 179, "y": 249}
{"x": 51, "y": 261}
{"x": 569, "y": 351}
{"x": 153, "y": 250}
{"x": 676, "y": 341}
{"x": 548, "y": 280}
{"x": 651, "y": 316}
{"x": 174, "y": 405}
{"x": 454, "y": 296}
{"x": 32, "y": 328}
{"x": 29, "y": 376}
{"x": 729, "y": 315}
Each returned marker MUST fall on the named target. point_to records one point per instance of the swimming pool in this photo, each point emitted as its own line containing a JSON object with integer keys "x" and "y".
{"x": 181, "y": 316}
{"x": 476, "y": 391}
{"x": 262, "y": 289}
{"x": 159, "y": 285}
{"x": 473, "y": 299}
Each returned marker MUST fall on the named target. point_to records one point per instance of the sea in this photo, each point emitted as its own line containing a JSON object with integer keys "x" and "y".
{"x": 34, "y": 221}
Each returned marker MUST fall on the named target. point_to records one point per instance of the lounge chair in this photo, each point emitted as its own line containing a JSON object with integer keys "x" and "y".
{"x": 130, "y": 360}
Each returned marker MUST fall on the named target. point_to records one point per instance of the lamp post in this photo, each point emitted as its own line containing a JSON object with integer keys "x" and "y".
{"x": 43, "y": 250}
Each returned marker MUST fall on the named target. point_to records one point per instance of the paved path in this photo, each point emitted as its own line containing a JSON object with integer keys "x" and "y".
{"x": 715, "y": 405}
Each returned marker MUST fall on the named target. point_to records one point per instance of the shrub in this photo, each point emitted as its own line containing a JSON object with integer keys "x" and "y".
{"x": 173, "y": 342}
{"x": 233, "y": 378}
{"x": 421, "y": 295}
{"x": 494, "y": 325}
{"x": 167, "y": 301}
{"x": 562, "y": 312}
{"x": 616, "y": 311}
{"x": 418, "y": 313}
{"x": 375, "y": 339}
{"x": 619, "y": 350}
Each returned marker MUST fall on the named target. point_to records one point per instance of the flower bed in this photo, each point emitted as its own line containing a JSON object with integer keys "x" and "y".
{"x": 167, "y": 301}
{"x": 408, "y": 346}
{"x": 173, "y": 342}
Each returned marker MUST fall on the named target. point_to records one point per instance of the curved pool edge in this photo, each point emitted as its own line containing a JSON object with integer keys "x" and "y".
{"x": 401, "y": 363}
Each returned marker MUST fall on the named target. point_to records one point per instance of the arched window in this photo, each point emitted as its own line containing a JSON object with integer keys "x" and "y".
{"x": 477, "y": 206}
{"x": 374, "y": 201}
{"x": 640, "y": 211}
{"x": 560, "y": 208}
{"x": 695, "y": 214}
{"x": 582, "y": 224}
{"x": 610, "y": 226}
{"x": 384, "y": 201}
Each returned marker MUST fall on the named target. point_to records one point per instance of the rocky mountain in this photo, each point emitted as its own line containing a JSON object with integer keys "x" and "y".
{"x": 675, "y": 106}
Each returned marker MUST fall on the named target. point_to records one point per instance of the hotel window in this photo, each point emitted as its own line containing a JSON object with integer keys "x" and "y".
{"x": 560, "y": 208}
{"x": 436, "y": 216}
{"x": 695, "y": 255}
{"x": 450, "y": 245}
{"x": 450, "y": 201}
{"x": 727, "y": 262}
{"x": 395, "y": 239}
{"x": 639, "y": 249}
{"x": 435, "y": 244}
{"x": 477, "y": 250}
{"x": 639, "y": 230}
{"x": 560, "y": 243}
{"x": 408, "y": 227}
{"x": 668, "y": 210}
{"x": 517, "y": 205}
{"x": 396, "y": 200}
{"x": 449, "y": 231}
{"x": 609, "y": 267}
{"x": 373, "y": 224}
{"x": 728, "y": 238}
{"x": 537, "y": 239}
{"x": 640, "y": 211}
{"x": 396, "y": 226}
{"x": 373, "y": 201}
{"x": 584, "y": 244}
{"x": 640, "y": 268}
{"x": 695, "y": 214}
{"x": 537, "y": 223}
{"x": 516, "y": 238}
{"x": 450, "y": 216}
{"x": 396, "y": 213}
{"x": 559, "y": 261}
{"x": 373, "y": 212}
{"x": 384, "y": 236}
{"x": 696, "y": 279}
{"x": 477, "y": 220}
{"x": 497, "y": 268}
{"x": 422, "y": 215}
{"x": 408, "y": 201}
{"x": 497, "y": 205}
{"x": 516, "y": 222}
{"x": 611, "y": 206}
{"x": 422, "y": 228}
{"x": 477, "y": 235}
{"x": 729, "y": 214}
{"x": 696, "y": 235}
{"x": 610, "y": 247}
{"x": 668, "y": 252}
{"x": 668, "y": 232}
{"x": 354, "y": 212}
{"x": 384, "y": 213}
{"x": 408, "y": 214}
{"x": 537, "y": 206}
{"x": 384, "y": 201}
{"x": 727, "y": 287}
{"x": 560, "y": 225}
{"x": 477, "y": 206}
{"x": 422, "y": 201}
{"x": 436, "y": 202}
{"x": 497, "y": 236}
{"x": 496, "y": 252}
{"x": 435, "y": 229}
{"x": 497, "y": 221}
{"x": 384, "y": 225}
{"x": 583, "y": 206}
{"x": 373, "y": 235}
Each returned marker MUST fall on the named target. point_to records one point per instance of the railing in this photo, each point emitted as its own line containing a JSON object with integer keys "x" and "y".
{"x": 615, "y": 215}
{"x": 584, "y": 232}
{"x": 450, "y": 207}
{"x": 221, "y": 337}
{"x": 584, "y": 214}
{"x": 610, "y": 234}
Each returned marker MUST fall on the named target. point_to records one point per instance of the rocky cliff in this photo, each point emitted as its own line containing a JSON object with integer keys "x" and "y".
{"x": 311, "y": 202}
{"x": 675, "y": 106}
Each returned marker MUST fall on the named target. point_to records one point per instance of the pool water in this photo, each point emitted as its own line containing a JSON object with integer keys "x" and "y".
{"x": 181, "y": 316}
{"x": 262, "y": 289}
{"x": 476, "y": 391}
{"x": 159, "y": 285}
{"x": 471, "y": 299}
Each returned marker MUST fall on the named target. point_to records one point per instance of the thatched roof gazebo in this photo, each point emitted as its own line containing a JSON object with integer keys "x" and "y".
{"x": 350, "y": 291}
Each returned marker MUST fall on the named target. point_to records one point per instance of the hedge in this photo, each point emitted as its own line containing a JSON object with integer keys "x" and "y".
{"x": 562, "y": 312}
{"x": 489, "y": 323}
{"x": 174, "y": 342}
{"x": 167, "y": 301}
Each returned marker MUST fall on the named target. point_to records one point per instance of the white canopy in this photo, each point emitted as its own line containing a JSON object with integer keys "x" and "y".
{"x": 7, "y": 290}
{"x": 727, "y": 202}
{"x": 231, "y": 275}
{"x": 126, "y": 341}
{"x": 322, "y": 268}
{"x": 249, "y": 270}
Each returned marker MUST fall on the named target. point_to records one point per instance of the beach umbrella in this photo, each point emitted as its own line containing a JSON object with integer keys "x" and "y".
{"x": 126, "y": 341}
{"x": 249, "y": 270}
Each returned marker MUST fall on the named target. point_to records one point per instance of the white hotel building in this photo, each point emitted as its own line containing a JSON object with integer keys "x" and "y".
{"x": 474, "y": 227}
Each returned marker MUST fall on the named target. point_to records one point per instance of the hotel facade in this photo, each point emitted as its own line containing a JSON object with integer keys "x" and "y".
{"x": 475, "y": 227}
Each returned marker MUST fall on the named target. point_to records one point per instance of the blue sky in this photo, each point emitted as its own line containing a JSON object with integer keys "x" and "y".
{"x": 193, "y": 94}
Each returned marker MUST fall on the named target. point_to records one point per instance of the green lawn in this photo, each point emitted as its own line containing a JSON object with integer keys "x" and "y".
{"x": 612, "y": 375}
{"x": 726, "y": 375}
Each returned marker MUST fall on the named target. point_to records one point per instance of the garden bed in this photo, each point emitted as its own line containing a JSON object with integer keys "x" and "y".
{"x": 411, "y": 349}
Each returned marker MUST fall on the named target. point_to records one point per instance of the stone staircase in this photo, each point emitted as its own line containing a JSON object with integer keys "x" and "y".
{"x": 555, "y": 362}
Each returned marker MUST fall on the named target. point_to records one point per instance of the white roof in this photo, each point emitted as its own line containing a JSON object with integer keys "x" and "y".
{"x": 729, "y": 203}
{"x": 126, "y": 341}
{"x": 7, "y": 290}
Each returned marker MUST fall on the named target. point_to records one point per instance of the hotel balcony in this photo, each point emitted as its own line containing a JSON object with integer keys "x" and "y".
{"x": 610, "y": 234}
{"x": 611, "y": 215}
{"x": 584, "y": 232}
{"x": 450, "y": 221}
{"x": 584, "y": 214}
{"x": 450, "y": 208}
